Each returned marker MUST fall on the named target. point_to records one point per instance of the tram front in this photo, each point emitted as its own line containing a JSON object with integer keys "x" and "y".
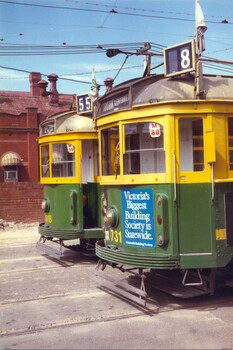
{"x": 69, "y": 172}
{"x": 161, "y": 175}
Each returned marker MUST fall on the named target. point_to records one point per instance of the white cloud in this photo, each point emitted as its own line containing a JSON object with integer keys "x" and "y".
{"x": 87, "y": 67}
{"x": 12, "y": 74}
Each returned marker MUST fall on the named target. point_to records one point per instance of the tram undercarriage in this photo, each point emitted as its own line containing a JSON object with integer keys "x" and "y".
{"x": 184, "y": 284}
{"x": 55, "y": 247}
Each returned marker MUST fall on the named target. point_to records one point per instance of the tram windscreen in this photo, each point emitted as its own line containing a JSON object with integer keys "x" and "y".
{"x": 144, "y": 148}
{"x": 191, "y": 146}
{"x": 45, "y": 172}
{"x": 63, "y": 163}
{"x": 109, "y": 151}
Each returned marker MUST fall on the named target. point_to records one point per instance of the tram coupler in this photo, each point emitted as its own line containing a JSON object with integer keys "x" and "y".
{"x": 129, "y": 292}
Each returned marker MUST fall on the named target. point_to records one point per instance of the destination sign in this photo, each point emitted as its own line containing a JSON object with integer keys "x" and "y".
{"x": 48, "y": 129}
{"x": 116, "y": 103}
{"x": 179, "y": 59}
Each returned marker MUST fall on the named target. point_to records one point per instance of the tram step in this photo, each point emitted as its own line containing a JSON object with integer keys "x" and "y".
{"x": 119, "y": 287}
{"x": 43, "y": 248}
{"x": 174, "y": 286}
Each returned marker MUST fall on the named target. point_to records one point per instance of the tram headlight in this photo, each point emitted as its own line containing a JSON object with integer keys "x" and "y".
{"x": 104, "y": 200}
{"x": 158, "y": 200}
{"x": 109, "y": 217}
{"x": 45, "y": 205}
{"x": 112, "y": 216}
{"x": 160, "y": 239}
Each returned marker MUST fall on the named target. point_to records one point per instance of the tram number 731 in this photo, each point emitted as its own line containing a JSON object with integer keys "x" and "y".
{"x": 114, "y": 236}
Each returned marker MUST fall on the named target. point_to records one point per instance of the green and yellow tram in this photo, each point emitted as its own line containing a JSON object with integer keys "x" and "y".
{"x": 69, "y": 172}
{"x": 166, "y": 167}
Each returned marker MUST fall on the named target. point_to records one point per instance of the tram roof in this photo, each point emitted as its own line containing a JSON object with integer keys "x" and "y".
{"x": 69, "y": 122}
{"x": 157, "y": 88}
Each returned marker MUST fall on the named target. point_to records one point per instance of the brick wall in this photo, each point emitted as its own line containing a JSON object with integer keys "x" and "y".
{"x": 21, "y": 202}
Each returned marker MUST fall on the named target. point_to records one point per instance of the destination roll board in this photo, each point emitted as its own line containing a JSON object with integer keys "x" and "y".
{"x": 115, "y": 102}
{"x": 179, "y": 59}
{"x": 47, "y": 129}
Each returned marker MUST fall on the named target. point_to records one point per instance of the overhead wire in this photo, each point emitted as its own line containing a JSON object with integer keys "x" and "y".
{"x": 216, "y": 67}
{"x": 135, "y": 9}
{"x": 103, "y": 11}
{"x": 29, "y": 50}
{"x": 43, "y": 74}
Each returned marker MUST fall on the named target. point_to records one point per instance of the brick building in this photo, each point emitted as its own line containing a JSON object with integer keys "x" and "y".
{"x": 20, "y": 116}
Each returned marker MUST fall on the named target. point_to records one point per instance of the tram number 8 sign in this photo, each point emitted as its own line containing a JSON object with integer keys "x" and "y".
{"x": 180, "y": 58}
{"x": 84, "y": 104}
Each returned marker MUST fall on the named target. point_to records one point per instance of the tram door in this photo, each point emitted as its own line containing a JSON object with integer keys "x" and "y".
{"x": 88, "y": 185}
{"x": 193, "y": 191}
{"x": 87, "y": 161}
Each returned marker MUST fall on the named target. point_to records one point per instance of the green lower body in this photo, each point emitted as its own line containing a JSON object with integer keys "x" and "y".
{"x": 187, "y": 237}
{"x": 74, "y": 212}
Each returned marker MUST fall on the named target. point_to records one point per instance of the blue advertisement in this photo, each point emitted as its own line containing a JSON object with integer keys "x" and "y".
{"x": 138, "y": 217}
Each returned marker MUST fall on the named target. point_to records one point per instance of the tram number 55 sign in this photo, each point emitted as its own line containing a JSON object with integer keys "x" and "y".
{"x": 179, "y": 59}
{"x": 84, "y": 104}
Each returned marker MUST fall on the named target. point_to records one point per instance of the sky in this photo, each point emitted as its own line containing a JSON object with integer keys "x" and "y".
{"x": 70, "y": 36}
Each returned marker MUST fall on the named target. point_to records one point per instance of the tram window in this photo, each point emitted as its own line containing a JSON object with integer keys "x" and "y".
{"x": 96, "y": 147}
{"x": 144, "y": 148}
{"x": 230, "y": 142}
{"x": 109, "y": 151}
{"x": 63, "y": 160}
{"x": 45, "y": 172}
{"x": 191, "y": 147}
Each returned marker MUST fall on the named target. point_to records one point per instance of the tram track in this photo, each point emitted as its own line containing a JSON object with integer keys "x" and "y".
{"x": 47, "y": 304}
{"x": 151, "y": 310}
{"x": 51, "y": 296}
{"x": 67, "y": 323}
{"x": 36, "y": 269}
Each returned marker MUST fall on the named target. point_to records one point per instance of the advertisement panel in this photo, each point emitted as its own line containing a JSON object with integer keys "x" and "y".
{"x": 138, "y": 217}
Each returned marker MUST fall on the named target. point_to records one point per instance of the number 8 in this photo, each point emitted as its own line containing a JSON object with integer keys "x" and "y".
{"x": 185, "y": 62}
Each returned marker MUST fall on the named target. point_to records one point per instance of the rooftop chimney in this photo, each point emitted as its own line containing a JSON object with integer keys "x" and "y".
{"x": 34, "y": 78}
{"x": 43, "y": 85}
{"x": 108, "y": 82}
{"x": 53, "y": 96}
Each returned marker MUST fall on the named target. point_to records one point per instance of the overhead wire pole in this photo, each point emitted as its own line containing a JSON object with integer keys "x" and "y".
{"x": 200, "y": 47}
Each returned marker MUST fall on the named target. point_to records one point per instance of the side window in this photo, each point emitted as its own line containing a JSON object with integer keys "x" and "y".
{"x": 144, "y": 148}
{"x": 96, "y": 150}
{"x": 45, "y": 172}
{"x": 63, "y": 161}
{"x": 109, "y": 151}
{"x": 230, "y": 142}
{"x": 191, "y": 145}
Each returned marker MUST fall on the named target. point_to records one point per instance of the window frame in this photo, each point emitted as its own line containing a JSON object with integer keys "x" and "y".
{"x": 69, "y": 179}
{"x": 203, "y": 176}
{"x": 11, "y": 169}
{"x": 166, "y": 177}
{"x": 194, "y": 148}
{"x": 65, "y": 162}
{"x": 140, "y": 151}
